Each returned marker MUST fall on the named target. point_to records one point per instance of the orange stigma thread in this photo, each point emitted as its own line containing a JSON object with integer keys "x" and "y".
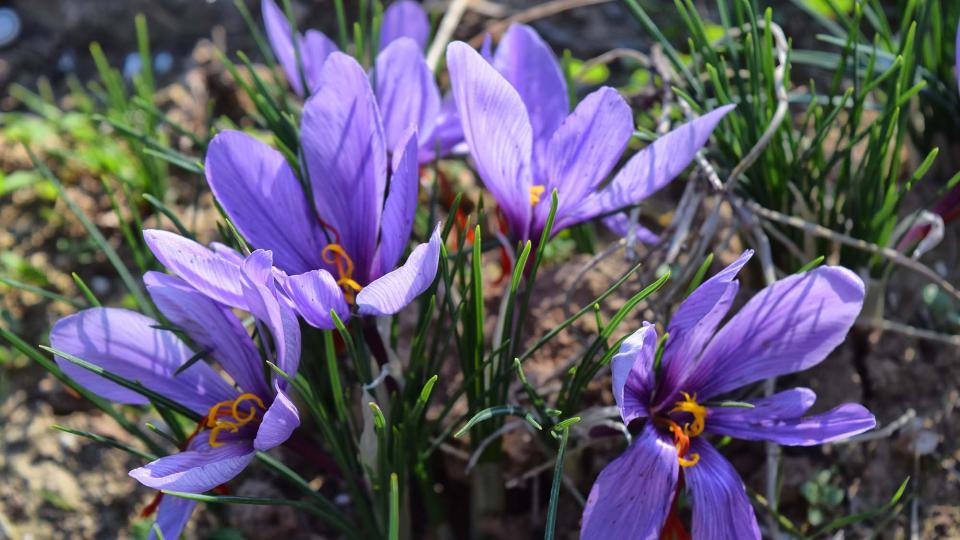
{"x": 231, "y": 409}
{"x": 535, "y": 193}
{"x": 336, "y": 255}
{"x": 682, "y": 435}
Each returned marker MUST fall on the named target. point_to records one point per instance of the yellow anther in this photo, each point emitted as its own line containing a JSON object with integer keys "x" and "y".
{"x": 216, "y": 413}
{"x": 336, "y": 255}
{"x": 217, "y": 429}
{"x": 689, "y": 461}
{"x": 231, "y": 408}
{"x": 244, "y": 420}
{"x": 535, "y": 193}
{"x": 699, "y": 412}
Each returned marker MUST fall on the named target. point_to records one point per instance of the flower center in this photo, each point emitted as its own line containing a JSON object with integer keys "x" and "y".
{"x": 682, "y": 434}
{"x": 232, "y": 415}
{"x": 535, "y": 193}
{"x": 335, "y": 254}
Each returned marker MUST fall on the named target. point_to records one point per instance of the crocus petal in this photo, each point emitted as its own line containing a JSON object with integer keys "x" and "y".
{"x": 401, "y": 205}
{"x": 529, "y": 65}
{"x": 315, "y": 48}
{"x": 694, "y": 323}
{"x": 792, "y": 403}
{"x": 653, "y": 167}
{"x": 632, "y": 496}
{"x": 278, "y": 422}
{"x": 497, "y": 130}
{"x": 212, "y": 274}
{"x": 196, "y": 471}
{"x": 447, "y": 136}
{"x": 619, "y": 224}
{"x": 721, "y": 509}
{"x": 393, "y": 291}
{"x": 210, "y": 325}
{"x": 343, "y": 145}
{"x": 584, "y": 149}
{"x": 313, "y": 295}
{"x": 787, "y": 327}
{"x": 406, "y": 91}
{"x": 261, "y": 294}
{"x": 632, "y": 370}
{"x": 405, "y": 19}
{"x": 838, "y": 423}
{"x": 259, "y": 192}
{"x": 172, "y": 516}
{"x": 281, "y": 37}
{"x": 227, "y": 253}
{"x": 126, "y": 343}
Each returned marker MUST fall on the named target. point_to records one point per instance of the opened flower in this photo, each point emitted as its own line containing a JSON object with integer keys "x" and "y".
{"x": 339, "y": 247}
{"x": 237, "y": 419}
{"x": 525, "y": 142}
{"x": 789, "y": 326}
{"x": 405, "y": 87}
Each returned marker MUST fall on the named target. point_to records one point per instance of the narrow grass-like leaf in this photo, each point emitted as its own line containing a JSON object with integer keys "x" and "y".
{"x": 124, "y": 382}
{"x": 50, "y": 295}
{"x": 96, "y": 235}
{"x": 97, "y": 401}
{"x": 87, "y": 293}
{"x": 493, "y": 412}
{"x": 109, "y": 441}
{"x": 550, "y": 532}
{"x": 862, "y": 516}
{"x": 394, "y": 523}
{"x": 165, "y": 210}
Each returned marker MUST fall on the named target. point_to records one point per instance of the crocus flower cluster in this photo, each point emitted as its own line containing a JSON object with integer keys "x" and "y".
{"x": 525, "y": 142}
{"x": 405, "y": 87}
{"x": 338, "y": 246}
{"x": 253, "y": 413}
{"x": 328, "y": 238}
{"x": 787, "y": 327}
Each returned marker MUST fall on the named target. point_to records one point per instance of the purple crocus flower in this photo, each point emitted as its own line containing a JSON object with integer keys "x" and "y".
{"x": 343, "y": 250}
{"x": 405, "y": 86}
{"x": 525, "y": 143}
{"x": 787, "y": 327}
{"x": 252, "y": 413}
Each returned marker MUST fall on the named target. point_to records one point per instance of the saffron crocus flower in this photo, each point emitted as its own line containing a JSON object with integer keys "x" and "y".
{"x": 525, "y": 143}
{"x": 789, "y": 326}
{"x": 405, "y": 86}
{"x": 237, "y": 419}
{"x": 339, "y": 249}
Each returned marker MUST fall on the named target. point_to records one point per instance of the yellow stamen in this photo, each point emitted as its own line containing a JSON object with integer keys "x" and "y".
{"x": 244, "y": 420}
{"x": 689, "y": 461}
{"x": 217, "y": 429}
{"x": 336, "y": 255}
{"x": 215, "y": 412}
{"x": 699, "y": 412}
{"x": 535, "y": 193}
{"x": 231, "y": 408}
{"x": 682, "y": 435}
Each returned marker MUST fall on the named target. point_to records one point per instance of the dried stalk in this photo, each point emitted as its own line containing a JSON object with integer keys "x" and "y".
{"x": 445, "y": 31}
{"x": 534, "y": 13}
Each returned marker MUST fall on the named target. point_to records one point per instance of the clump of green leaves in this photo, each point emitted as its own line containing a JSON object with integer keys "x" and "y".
{"x": 836, "y": 160}
{"x": 823, "y": 498}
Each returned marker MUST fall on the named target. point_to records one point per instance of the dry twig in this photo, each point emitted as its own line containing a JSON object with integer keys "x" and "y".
{"x": 540, "y": 11}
